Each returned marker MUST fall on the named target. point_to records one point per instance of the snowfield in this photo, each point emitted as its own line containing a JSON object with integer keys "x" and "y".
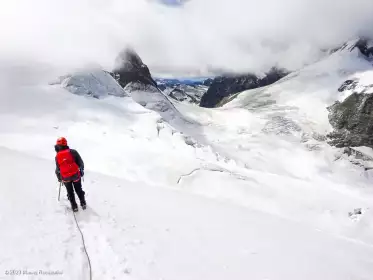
{"x": 174, "y": 191}
{"x": 135, "y": 231}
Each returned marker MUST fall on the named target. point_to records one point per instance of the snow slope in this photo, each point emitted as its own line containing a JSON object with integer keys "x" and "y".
{"x": 134, "y": 231}
{"x": 96, "y": 83}
{"x": 247, "y": 191}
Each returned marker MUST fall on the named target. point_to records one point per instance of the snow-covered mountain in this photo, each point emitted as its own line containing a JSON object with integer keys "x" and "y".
{"x": 250, "y": 190}
{"x": 189, "y": 91}
{"x": 225, "y": 86}
{"x": 186, "y": 93}
{"x": 163, "y": 83}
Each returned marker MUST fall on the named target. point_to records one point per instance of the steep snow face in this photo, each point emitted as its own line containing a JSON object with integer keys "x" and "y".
{"x": 153, "y": 99}
{"x": 96, "y": 83}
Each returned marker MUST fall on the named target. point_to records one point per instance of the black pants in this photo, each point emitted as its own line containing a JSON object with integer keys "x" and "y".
{"x": 70, "y": 186}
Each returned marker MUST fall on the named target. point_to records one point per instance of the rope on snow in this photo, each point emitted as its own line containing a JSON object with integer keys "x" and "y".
{"x": 85, "y": 248}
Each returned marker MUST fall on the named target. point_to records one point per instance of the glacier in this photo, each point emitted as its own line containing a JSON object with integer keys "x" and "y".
{"x": 250, "y": 190}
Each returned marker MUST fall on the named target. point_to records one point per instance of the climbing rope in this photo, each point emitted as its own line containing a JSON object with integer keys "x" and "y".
{"x": 85, "y": 248}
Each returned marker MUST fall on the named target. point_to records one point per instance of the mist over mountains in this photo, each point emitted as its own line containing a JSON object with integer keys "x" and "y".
{"x": 199, "y": 38}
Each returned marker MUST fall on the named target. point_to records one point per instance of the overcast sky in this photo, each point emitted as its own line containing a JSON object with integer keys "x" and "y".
{"x": 191, "y": 39}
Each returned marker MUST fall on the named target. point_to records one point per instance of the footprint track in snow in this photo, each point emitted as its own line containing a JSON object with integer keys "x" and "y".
{"x": 103, "y": 258}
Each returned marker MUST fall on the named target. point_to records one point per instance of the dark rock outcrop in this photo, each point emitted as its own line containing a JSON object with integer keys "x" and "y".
{"x": 130, "y": 68}
{"x": 226, "y": 86}
{"x": 365, "y": 48}
{"x": 348, "y": 85}
{"x": 352, "y": 120}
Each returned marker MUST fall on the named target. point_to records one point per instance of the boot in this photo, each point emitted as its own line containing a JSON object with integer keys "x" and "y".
{"x": 74, "y": 206}
{"x": 82, "y": 200}
{"x": 83, "y": 204}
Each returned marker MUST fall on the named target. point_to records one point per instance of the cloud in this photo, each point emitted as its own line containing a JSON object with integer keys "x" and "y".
{"x": 199, "y": 37}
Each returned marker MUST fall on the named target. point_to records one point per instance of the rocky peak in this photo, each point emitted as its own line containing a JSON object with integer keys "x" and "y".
{"x": 130, "y": 68}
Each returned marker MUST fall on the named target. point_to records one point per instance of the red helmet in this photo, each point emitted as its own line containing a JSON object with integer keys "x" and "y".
{"x": 61, "y": 141}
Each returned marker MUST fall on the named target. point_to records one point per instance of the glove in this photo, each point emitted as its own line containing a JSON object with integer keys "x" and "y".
{"x": 82, "y": 172}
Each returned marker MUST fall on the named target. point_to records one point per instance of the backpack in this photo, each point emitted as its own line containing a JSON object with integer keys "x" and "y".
{"x": 67, "y": 164}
